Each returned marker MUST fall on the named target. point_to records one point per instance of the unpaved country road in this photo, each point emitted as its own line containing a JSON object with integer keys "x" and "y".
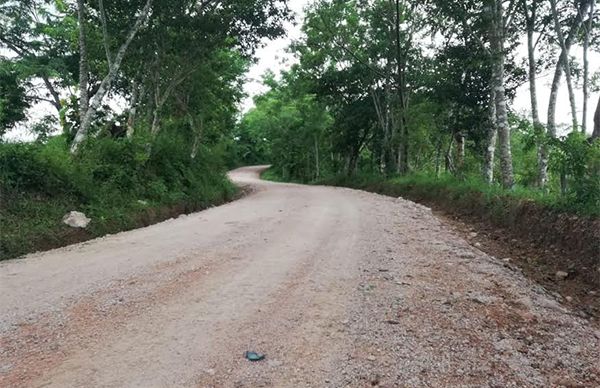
{"x": 337, "y": 287}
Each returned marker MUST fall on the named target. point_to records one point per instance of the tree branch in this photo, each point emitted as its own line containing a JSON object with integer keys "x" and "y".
{"x": 348, "y": 51}
{"x": 105, "y": 37}
{"x": 507, "y": 22}
{"x": 56, "y": 98}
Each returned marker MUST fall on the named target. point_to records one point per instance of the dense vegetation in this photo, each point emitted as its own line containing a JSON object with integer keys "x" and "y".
{"x": 115, "y": 183}
{"x": 423, "y": 91}
{"x": 140, "y": 101}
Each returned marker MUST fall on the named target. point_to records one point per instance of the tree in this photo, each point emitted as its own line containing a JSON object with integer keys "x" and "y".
{"x": 531, "y": 16}
{"x": 574, "y": 24}
{"x": 458, "y": 83}
{"x": 588, "y": 27}
{"x": 564, "y": 62}
{"x": 89, "y": 106}
{"x": 37, "y": 34}
{"x": 156, "y": 40}
{"x": 370, "y": 44}
{"x": 498, "y": 25}
{"x": 596, "y": 133}
{"x": 13, "y": 99}
{"x": 491, "y": 20}
{"x": 287, "y": 126}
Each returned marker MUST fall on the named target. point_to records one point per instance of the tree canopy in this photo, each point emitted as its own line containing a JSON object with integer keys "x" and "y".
{"x": 428, "y": 87}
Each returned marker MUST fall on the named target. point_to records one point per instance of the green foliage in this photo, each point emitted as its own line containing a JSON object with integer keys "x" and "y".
{"x": 577, "y": 160}
{"x": 35, "y": 168}
{"x": 40, "y": 37}
{"x": 13, "y": 102}
{"x": 463, "y": 192}
{"x": 271, "y": 174}
{"x": 287, "y": 128}
{"x": 180, "y": 75}
{"x": 524, "y": 147}
{"x": 397, "y": 104}
{"x": 116, "y": 183}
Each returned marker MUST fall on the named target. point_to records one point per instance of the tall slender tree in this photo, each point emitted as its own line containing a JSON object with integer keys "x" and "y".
{"x": 575, "y": 25}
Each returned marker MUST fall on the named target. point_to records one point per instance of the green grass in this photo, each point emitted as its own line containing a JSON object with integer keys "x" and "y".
{"x": 271, "y": 175}
{"x": 115, "y": 183}
{"x": 523, "y": 214}
{"x": 467, "y": 192}
{"x": 464, "y": 193}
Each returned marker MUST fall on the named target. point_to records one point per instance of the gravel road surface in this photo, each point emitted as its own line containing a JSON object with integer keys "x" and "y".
{"x": 336, "y": 287}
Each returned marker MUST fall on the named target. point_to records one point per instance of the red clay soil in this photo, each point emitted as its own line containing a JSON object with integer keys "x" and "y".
{"x": 540, "y": 243}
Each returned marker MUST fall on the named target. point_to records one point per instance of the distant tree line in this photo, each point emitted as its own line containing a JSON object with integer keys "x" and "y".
{"x": 397, "y": 87}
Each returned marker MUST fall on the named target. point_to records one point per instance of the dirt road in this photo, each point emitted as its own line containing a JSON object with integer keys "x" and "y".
{"x": 337, "y": 287}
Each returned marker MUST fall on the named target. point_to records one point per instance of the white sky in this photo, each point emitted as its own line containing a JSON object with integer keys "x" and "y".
{"x": 273, "y": 57}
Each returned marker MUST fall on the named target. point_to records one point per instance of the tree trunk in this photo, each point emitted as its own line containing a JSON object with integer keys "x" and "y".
{"x": 449, "y": 164}
{"x": 506, "y": 167}
{"x": 83, "y": 62}
{"x": 460, "y": 152}
{"x": 565, "y": 63}
{"x": 388, "y": 137}
{"x": 137, "y": 94}
{"x": 572, "y": 102}
{"x": 105, "y": 37}
{"x": 596, "y": 133}
{"x": 403, "y": 147}
{"x": 499, "y": 57}
{"x": 438, "y": 158}
{"x": 94, "y": 104}
{"x": 56, "y": 103}
{"x": 352, "y": 165}
{"x": 197, "y": 135}
{"x": 535, "y": 114}
{"x": 317, "y": 167}
{"x": 195, "y": 147}
{"x": 492, "y": 133}
{"x": 563, "y": 182}
{"x": 586, "y": 68}
{"x": 559, "y": 67}
{"x": 155, "y": 128}
{"x": 382, "y": 113}
{"x": 551, "y": 124}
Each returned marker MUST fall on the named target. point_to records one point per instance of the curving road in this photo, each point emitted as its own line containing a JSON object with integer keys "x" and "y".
{"x": 337, "y": 287}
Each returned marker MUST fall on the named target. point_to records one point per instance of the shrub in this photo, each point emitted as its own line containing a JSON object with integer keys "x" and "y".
{"x": 116, "y": 182}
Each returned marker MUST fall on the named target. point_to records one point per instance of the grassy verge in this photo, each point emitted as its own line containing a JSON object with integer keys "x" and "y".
{"x": 29, "y": 224}
{"x": 494, "y": 198}
{"x": 116, "y": 184}
{"x": 271, "y": 175}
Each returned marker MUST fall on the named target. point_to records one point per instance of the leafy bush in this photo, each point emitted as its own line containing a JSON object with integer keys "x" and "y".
{"x": 118, "y": 183}
{"x": 577, "y": 161}
{"x": 27, "y": 168}
{"x": 429, "y": 187}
